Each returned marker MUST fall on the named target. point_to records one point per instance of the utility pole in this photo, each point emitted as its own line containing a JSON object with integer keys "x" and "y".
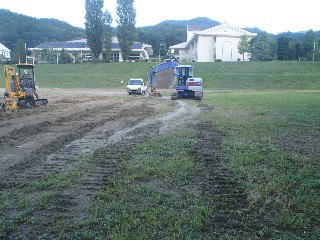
{"x": 57, "y": 57}
{"x": 314, "y": 50}
{"x": 25, "y": 50}
{"x": 160, "y": 52}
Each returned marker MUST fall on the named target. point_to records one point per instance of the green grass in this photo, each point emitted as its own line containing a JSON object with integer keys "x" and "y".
{"x": 224, "y": 76}
{"x": 88, "y": 75}
{"x": 260, "y": 75}
{"x": 151, "y": 199}
{"x": 272, "y": 142}
{"x": 268, "y": 144}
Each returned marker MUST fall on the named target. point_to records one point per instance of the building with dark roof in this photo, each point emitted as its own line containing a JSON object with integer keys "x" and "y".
{"x": 139, "y": 51}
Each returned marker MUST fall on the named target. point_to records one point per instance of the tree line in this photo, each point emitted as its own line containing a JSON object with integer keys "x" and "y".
{"x": 284, "y": 46}
{"x": 99, "y": 31}
{"x": 33, "y": 31}
{"x": 17, "y": 29}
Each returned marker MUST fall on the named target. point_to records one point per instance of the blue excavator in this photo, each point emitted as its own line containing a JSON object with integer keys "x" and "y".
{"x": 183, "y": 82}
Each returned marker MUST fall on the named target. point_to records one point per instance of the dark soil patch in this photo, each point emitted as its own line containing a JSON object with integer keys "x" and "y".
{"x": 305, "y": 141}
{"x": 223, "y": 192}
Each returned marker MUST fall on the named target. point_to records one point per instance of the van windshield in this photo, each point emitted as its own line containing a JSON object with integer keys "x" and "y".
{"x": 134, "y": 82}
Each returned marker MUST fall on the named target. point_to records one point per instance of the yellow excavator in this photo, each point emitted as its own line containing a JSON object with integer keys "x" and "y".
{"x": 21, "y": 88}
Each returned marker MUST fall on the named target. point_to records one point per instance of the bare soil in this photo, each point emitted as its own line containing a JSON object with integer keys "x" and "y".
{"x": 98, "y": 126}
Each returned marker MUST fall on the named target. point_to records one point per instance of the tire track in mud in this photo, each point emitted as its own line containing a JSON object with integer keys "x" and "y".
{"x": 103, "y": 166}
{"x": 221, "y": 188}
{"x": 106, "y": 159}
{"x": 20, "y": 120}
{"x": 55, "y": 156}
{"x": 20, "y": 134}
{"x": 71, "y": 203}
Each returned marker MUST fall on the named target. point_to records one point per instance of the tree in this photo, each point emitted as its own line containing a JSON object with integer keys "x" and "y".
{"x": 243, "y": 46}
{"x": 283, "y": 47}
{"x": 48, "y": 55}
{"x": 34, "y": 31}
{"x": 126, "y": 26}
{"x": 65, "y": 57}
{"x": 163, "y": 51}
{"x": 263, "y": 47}
{"x": 19, "y": 52}
{"x": 292, "y": 50}
{"x": 299, "y": 51}
{"x": 94, "y": 26}
{"x": 108, "y": 33}
{"x": 308, "y": 44}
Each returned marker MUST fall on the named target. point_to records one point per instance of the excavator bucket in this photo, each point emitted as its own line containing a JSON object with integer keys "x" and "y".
{"x": 154, "y": 93}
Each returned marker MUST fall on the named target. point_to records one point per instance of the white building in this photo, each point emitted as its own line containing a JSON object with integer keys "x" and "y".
{"x": 4, "y": 51}
{"x": 217, "y": 43}
{"x": 139, "y": 51}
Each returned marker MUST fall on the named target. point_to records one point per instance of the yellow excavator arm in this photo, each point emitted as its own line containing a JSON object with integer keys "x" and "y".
{"x": 13, "y": 88}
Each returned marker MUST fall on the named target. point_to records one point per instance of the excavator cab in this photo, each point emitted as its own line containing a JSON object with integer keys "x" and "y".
{"x": 183, "y": 72}
{"x": 26, "y": 76}
{"x": 186, "y": 86}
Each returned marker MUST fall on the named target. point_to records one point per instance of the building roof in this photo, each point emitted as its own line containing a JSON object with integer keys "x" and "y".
{"x": 4, "y": 48}
{"x": 62, "y": 45}
{"x": 225, "y": 30}
{"x": 82, "y": 44}
{"x": 194, "y": 27}
{"x": 180, "y": 45}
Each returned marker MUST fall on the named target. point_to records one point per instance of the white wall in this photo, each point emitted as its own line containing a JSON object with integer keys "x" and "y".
{"x": 183, "y": 55}
{"x": 205, "y": 47}
{"x": 190, "y": 35}
{"x": 193, "y": 51}
{"x": 120, "y": 57}
{"x": 5, "y": 53}
{"x": 227, "y": 49}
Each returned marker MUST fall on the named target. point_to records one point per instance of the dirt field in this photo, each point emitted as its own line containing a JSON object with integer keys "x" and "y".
{"x": 35, "y": 142}
{"x": 42, "y": 142}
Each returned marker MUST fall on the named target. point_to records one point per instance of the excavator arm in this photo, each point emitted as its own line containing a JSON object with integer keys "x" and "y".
{"x": 13, "y": 89}
{"x": 158, "y": 68}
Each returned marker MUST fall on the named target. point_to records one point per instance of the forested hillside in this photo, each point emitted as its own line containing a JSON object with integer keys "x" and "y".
{"x": 171, "y": 32}
{"x": 34, "y": 31}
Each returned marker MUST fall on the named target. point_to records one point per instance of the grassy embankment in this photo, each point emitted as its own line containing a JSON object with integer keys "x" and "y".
{"x": 224, "y": 76}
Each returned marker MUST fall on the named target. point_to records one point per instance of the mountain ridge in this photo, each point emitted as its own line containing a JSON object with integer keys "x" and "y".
{"x": 15, "y": 26}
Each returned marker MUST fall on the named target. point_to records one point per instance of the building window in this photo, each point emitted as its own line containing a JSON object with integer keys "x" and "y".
{"x": 115, "y": 56}
{"x": 86, "y": 58}
{"x": 134, "y": 56}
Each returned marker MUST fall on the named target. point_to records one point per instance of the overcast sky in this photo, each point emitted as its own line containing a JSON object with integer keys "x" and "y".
{"x": 270, "y": 15}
